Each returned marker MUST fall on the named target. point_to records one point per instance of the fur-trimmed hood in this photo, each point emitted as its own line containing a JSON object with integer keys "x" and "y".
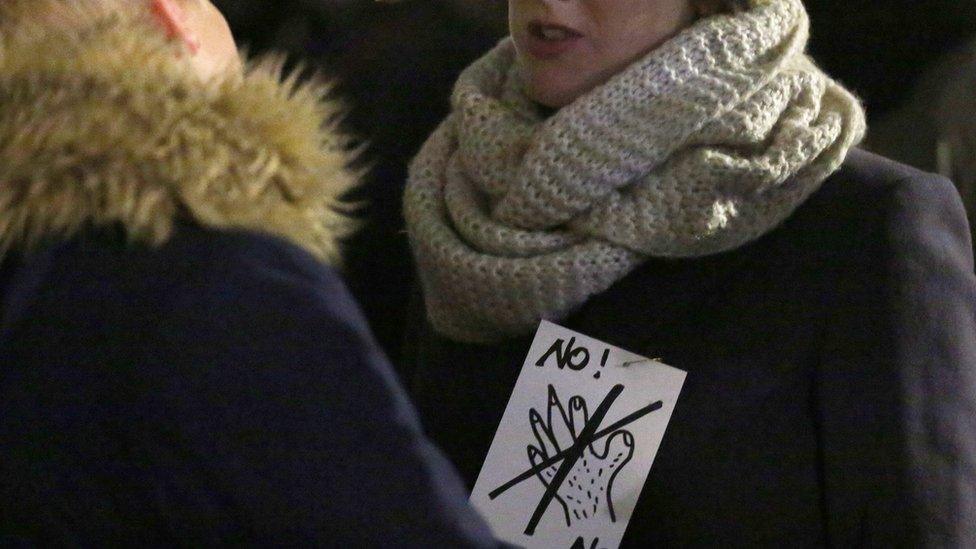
{"x": 101, "y": 124}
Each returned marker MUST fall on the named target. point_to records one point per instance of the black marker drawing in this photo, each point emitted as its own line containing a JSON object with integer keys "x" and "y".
{"x": 588, "y": 487}
{"x": 580, "y": 543}
{"x": 603, "y": 363}
{"x": 568, "y": 355}
{"x": 556, "y": 464}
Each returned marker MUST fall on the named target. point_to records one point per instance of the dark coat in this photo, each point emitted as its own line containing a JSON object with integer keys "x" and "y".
{"x": 220, "y": 389}
{"x": 831, "y": 389}
{"x": 170, "y": 372}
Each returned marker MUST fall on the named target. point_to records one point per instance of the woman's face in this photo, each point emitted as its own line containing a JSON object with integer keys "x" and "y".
{"x": 568, "y": 47}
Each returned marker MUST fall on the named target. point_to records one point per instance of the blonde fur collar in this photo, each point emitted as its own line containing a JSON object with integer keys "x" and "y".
{"x": 102, "y": 124}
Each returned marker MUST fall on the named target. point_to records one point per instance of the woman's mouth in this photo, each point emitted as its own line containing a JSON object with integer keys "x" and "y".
{"x": 549, "y": 40}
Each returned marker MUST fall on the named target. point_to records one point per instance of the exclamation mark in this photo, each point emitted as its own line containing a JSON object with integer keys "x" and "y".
{"x": 603, "y": 362}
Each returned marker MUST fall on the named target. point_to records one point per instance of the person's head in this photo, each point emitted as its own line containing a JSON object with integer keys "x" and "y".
{"x": 209, "y": 44}
{"x": 203, "y": 29}
{"x": 568, "y": 47}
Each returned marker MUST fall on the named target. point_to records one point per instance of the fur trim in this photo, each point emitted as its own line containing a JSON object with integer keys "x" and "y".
{"x": 101, "y": 123}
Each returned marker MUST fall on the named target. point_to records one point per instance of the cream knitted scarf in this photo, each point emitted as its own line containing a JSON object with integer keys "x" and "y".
{"x": 702, "y": 146}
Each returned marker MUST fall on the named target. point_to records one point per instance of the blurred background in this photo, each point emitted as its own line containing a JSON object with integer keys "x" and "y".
{"x": 913, "y": 62}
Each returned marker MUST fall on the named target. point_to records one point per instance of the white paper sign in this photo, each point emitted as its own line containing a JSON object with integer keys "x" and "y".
{"x": 576, "y": 443}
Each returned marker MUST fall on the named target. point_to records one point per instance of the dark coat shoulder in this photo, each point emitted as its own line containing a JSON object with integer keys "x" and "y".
{"x": 901, "y": 345}
{"x": 221, "y": 388}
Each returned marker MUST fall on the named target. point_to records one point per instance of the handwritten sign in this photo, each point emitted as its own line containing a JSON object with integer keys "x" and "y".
{"x": 576, "y": 443}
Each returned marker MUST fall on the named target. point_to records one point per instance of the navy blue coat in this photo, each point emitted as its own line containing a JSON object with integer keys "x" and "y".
{"x": 831, "y": 389}
{"x": 220, "y": 389}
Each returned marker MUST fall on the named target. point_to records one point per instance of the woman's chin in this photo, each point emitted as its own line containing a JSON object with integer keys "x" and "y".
{"x": 548, "y": 94}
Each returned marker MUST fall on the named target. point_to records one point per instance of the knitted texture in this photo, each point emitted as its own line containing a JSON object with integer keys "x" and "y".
{"x": 703, "y": 145}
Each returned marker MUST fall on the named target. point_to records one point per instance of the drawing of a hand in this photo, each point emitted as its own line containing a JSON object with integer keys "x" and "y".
{"x": 589, "y": 485}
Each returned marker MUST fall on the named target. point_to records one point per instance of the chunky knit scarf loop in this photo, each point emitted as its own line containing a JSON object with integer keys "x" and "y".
{"x": 702, "y": 146}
